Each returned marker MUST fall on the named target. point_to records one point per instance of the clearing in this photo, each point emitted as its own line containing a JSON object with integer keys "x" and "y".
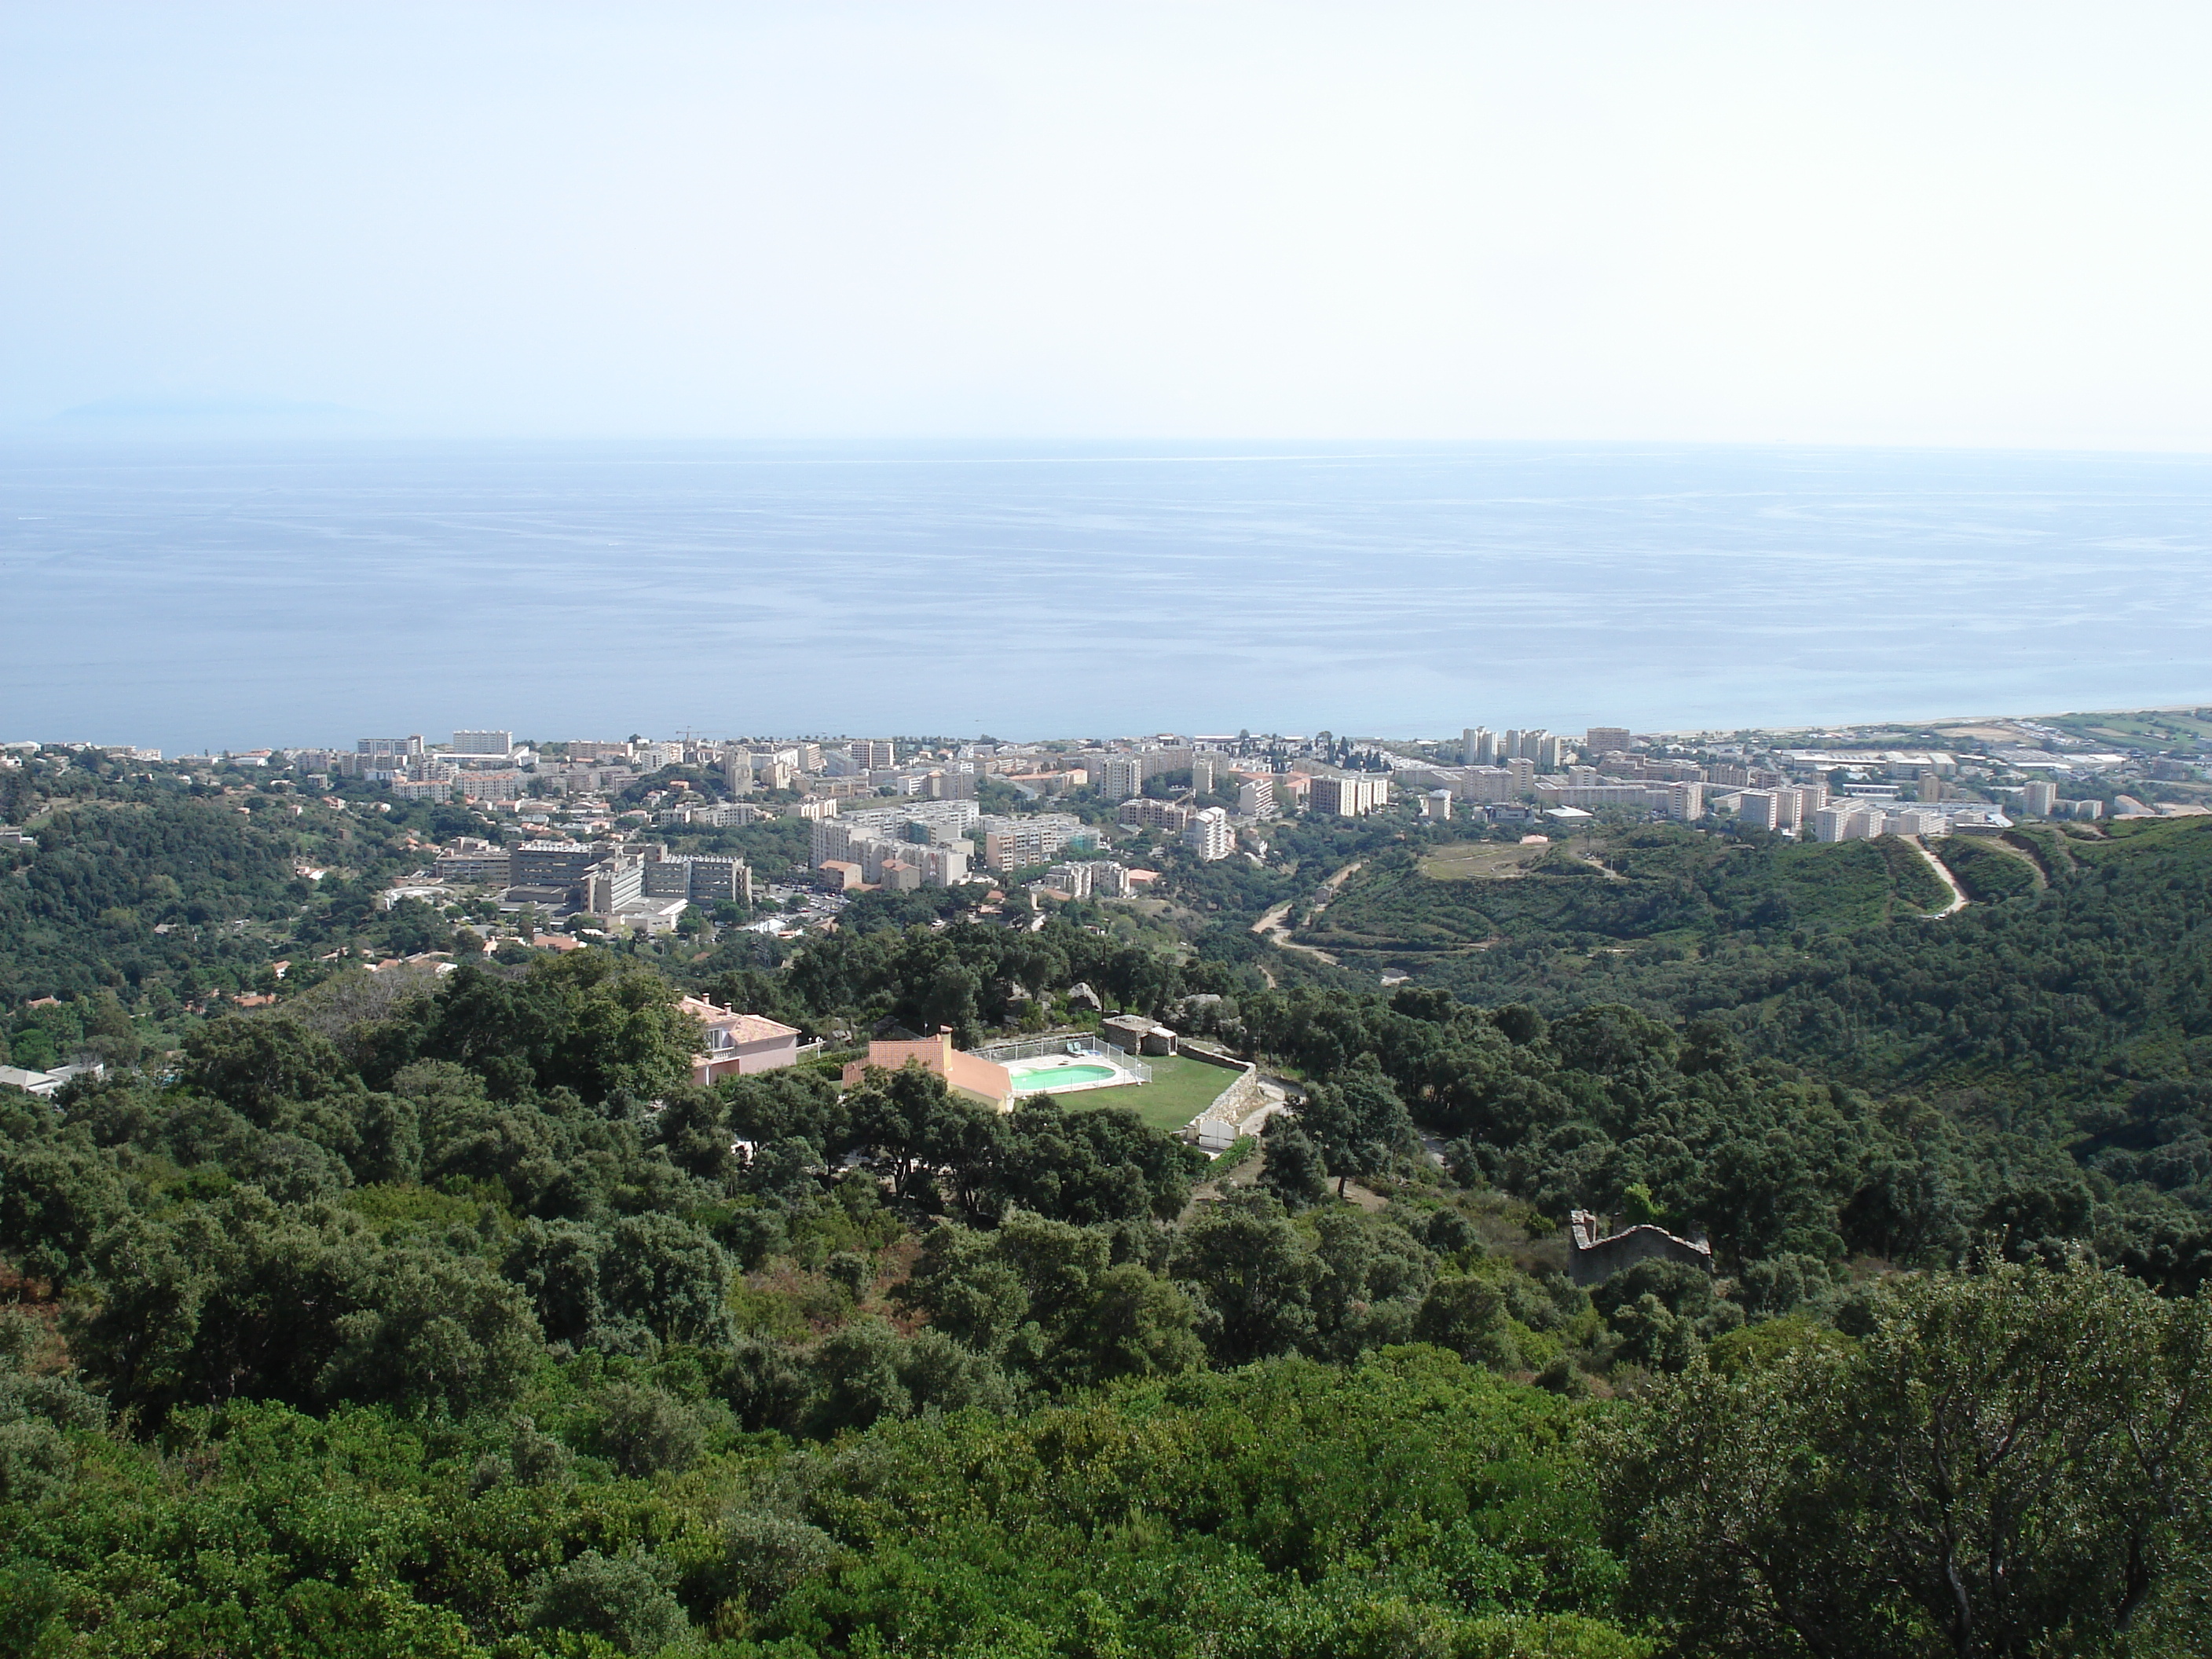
{"x": 1481, "y": 860}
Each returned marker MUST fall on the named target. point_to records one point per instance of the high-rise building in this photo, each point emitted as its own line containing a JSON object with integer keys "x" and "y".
{"x": 873, "y": 752}
{"x": 2039, "y": 797}
{"x": 483, "y": 743}
{"x": 1209, "y": 835}
{"x": 1203, "y": 768}
{"x": 1761, "y": 809}
{"x": 401, "y": 746}
{"x": 1551, "y": 753}
{"x": 1478, "y": 746}
{"x": 1601, "y": 740}
{"x": 1436, "y": 804}
{"x": 1121, "y": 776}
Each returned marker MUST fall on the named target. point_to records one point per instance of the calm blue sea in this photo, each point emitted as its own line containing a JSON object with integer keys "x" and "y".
{"x": 249, "y": 595}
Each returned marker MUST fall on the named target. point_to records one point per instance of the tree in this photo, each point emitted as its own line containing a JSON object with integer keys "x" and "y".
{"x": 55, "y": 1198}
{"x": 669, "y": 1275}
{"x": 910, "y": 1122}
{"x": 1255, "y": 1272}
{"x": 620, "y": 1599}
{"x": 439, "y": 1332}
{"x": 2007, "y": 1465}
{"x": 1290, "y": 1166}
{"x": 1359, "y": 1123}
{"x": 255, "y": 1066}
{"x": 644, "y": 1429}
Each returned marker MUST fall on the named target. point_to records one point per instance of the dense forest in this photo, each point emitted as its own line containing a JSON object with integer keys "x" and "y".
{"x": 440, "y": 1314}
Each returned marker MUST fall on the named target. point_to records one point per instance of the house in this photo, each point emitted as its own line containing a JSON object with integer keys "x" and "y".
{"x": 1135, "y": 1034}
{"x": 968, "y": 1074}
{"x": 739, "y": 1045}
{"x": 45, "y": 1083}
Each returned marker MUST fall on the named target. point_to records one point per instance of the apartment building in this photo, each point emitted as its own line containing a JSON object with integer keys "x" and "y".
{"x": 1348, "y": 797}
{"x": 1142, "y": 813}
{"x": 1209, "y": 836}
{"x": 498, "y": 743}
{"x": 873, "y": 753}
{"x": 1256, "y": 798}
{"x": 701, "y": 877}
{"x": 1591, "y": 795}
{"x": 1121, "y": 776}
{"x": 505, "y": 784}
{"x": 1017, "y": 843}
{"x": 473, "y": 862}
{"x": 1759, "y": 809}
{"x": 1605, "y": 740}
{"x": 1478, "y": 746}
{"x": 550, "y": 863}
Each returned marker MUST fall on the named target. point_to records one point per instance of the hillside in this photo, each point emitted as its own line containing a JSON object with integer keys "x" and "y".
{"x": 1660, "y": 883}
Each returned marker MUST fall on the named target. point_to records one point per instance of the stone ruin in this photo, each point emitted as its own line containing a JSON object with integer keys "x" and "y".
{"x": 1592, "y": 1259}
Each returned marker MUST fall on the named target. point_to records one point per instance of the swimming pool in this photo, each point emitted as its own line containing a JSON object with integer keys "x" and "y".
{"x": 1053, "y": 1073}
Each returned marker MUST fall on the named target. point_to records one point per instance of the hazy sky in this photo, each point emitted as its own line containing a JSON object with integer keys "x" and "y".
{"x": 1856, "y": 222}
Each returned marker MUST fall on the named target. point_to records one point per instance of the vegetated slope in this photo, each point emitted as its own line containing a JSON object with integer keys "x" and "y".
{"x": 1657, "y": 883}
{"x": 82, "y": 910}
{"x": 450, "y": 1319}
{"x": 2084, "y": 990}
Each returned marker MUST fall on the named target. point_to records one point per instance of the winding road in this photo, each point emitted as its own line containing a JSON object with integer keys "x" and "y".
{"x": 1272, "y": 927}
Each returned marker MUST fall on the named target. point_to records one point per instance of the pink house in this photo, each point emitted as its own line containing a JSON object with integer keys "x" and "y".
{"x": 969, "y": 1074}
{"x": 739, "y": 1045}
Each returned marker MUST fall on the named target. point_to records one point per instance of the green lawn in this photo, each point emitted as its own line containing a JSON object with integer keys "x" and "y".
{"x": 1180, "y": 1089}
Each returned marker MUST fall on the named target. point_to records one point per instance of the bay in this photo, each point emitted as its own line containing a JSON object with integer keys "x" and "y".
{"x": 209, "y": 596}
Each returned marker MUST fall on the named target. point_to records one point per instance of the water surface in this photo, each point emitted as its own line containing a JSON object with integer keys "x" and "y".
{"x": 247, "y": 595}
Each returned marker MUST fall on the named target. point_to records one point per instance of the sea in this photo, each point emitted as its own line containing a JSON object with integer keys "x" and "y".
{"x": 204, "y": 596}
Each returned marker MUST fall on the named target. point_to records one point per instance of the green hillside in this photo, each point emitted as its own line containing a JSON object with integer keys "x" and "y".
{"x": 1660, "y": 883}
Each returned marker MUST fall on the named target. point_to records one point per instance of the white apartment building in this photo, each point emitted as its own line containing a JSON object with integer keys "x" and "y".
{"x": 1256, "y": 798}
{"x": 500, "y": 744}
{"x": 1209, "y": 835}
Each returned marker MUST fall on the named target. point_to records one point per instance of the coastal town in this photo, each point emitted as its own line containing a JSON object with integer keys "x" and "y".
{"x": 579, "y": 831}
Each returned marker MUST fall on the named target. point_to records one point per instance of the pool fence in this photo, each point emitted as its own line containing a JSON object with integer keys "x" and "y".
{"x": 1080, "y": 1046}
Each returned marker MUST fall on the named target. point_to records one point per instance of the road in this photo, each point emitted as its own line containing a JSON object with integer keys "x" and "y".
{"x": 1272, "y": 927}
{"x": 1943, "y": 874}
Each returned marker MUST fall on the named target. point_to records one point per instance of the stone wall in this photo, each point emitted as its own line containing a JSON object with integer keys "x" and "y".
{"x": 1592, "y": 1260}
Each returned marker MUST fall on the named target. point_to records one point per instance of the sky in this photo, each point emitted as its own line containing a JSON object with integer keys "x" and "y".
{"x": 1961, "y": 224}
